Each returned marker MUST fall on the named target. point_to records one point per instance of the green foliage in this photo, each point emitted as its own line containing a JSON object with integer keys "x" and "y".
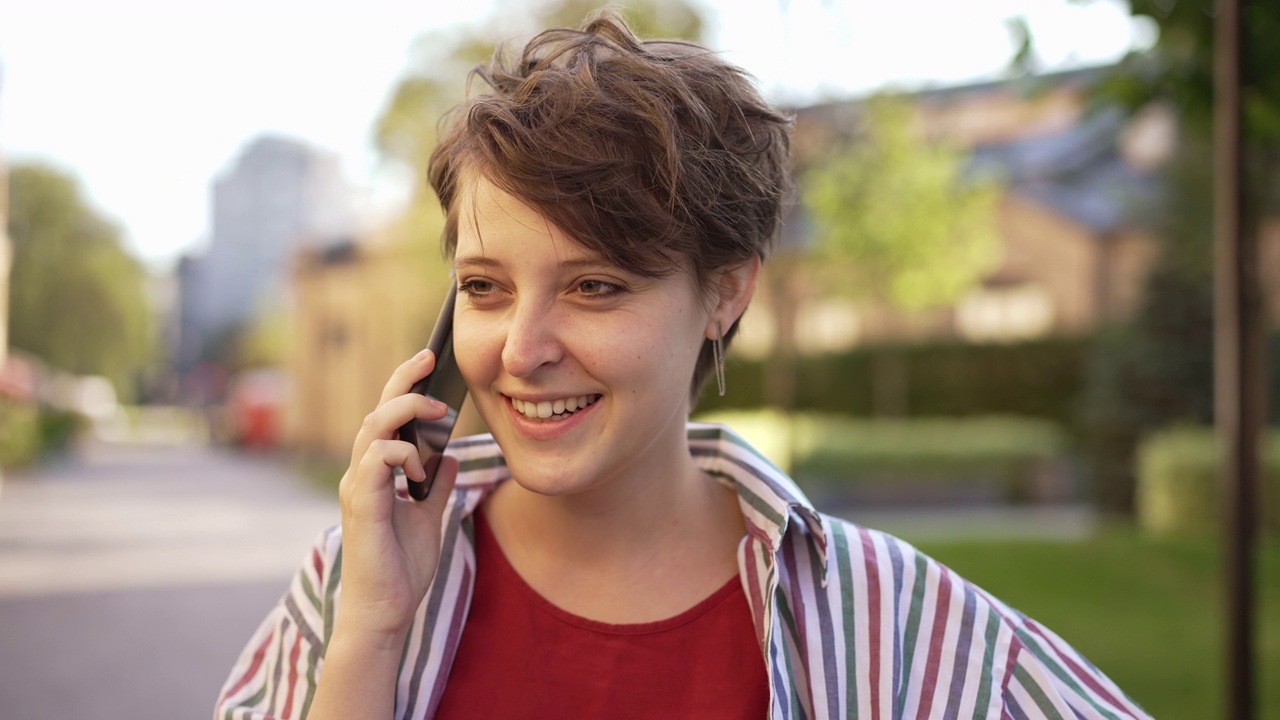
{"x": 29, "y": 431}
{"x": 844, "y": 459}
{"x": 896, "y": 219}
{"x": 1040, "y": 379}
{"x": 1146, "y": 611}
{"x": 1180, "y": 69}
{"x": 19, "y": 432}
{"x": 77, "y": 298}
{"x": 1157, "y": 371}
{"x": 59, "y": 429}
{"x": 1178, "y": 488}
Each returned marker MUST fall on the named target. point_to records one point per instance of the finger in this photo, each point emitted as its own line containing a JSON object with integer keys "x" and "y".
{"x": 409, "y": 372}
{"x": 375, "y": 474}
{"x": 442, "y": 487}
{"x": 385, "y": 421}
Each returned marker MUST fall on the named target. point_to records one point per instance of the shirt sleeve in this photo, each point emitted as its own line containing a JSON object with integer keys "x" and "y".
{"x": 275, "y": 675}
{"x": 1049, "y": 679}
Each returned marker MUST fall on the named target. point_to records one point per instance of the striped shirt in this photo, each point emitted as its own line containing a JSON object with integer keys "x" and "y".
{"x": 852, "y": 623}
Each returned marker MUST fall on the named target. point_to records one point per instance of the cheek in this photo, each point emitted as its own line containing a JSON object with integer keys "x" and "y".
{"x": 475, "y": 349}
{"x": 648, "y": 353}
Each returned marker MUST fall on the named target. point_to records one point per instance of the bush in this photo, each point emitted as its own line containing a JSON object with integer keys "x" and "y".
{"x": 992, "y": 459}
{"x": 19, "y": 432}
{"x": 59, "y": 428}
{"x": 1177, "y": 488}
{"x": 29, "y": 431}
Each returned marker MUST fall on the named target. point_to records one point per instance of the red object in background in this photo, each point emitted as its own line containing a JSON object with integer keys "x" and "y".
{"x": 259, "y": 426}
{"x": 255, "y": 401}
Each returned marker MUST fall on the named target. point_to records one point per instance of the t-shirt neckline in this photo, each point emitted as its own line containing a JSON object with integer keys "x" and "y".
{"x": 484, "y": 535}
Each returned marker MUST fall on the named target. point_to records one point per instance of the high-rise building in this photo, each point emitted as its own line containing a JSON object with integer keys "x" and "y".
{"x": 280, "y": 196}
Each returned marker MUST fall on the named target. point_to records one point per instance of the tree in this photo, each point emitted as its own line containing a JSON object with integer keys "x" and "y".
{"x": 77, "y": 298}
{"x": 1179, "y": 71}
{"x": 899, "y": 222}
{"x": 1157, "y": 369}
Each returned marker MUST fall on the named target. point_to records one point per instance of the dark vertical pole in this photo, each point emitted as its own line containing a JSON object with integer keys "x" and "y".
{"x": 1237, "y": 361}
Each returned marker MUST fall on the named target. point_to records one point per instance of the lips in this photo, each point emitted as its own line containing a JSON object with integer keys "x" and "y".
{"x": 552, "y": 410}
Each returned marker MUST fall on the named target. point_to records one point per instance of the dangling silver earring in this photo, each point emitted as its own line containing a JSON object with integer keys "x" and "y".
{"x": 717, "y": 351}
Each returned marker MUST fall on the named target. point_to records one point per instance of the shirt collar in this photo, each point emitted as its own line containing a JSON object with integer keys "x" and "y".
{"x": 769, "y": 499}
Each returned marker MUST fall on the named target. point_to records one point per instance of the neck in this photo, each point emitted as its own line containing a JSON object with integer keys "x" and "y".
{"x": 643, "y": 544}
{"x": 638, "y": 512}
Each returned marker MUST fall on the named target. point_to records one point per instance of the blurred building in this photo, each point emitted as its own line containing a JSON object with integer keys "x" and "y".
{"x": 359, "y": 309}
{"x": 1074, "y": 217}
{"x": 280, "y": 197}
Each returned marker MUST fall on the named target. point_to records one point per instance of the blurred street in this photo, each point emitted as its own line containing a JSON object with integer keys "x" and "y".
{"x": 132, "y": 575}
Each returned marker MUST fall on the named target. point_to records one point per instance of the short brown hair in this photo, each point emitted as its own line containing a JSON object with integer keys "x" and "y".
{"x": 655, "y": 154}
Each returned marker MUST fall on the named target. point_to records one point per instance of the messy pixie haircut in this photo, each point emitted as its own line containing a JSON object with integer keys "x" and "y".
{"x": 657, "y": 155}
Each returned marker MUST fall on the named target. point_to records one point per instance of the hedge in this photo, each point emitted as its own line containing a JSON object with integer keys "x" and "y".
{"x": 985, "y": 459}
{"x": 1178, "y": 488}
{"x": 1039, "y": 379}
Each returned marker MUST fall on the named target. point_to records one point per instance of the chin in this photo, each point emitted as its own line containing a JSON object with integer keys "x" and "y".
{"x": 554, "y": 480}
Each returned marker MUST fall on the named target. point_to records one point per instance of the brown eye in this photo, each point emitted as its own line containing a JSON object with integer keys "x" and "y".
{"x": 598, "y": 288}
{"x": 476, "y": 287}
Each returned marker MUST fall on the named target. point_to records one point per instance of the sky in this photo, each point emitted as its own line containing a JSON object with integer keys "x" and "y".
{"x": 147, "y": 101}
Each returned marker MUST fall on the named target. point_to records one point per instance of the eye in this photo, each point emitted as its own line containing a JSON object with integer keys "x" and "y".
{"x": 476, "y": 287}
{"x": 599, "y": 288}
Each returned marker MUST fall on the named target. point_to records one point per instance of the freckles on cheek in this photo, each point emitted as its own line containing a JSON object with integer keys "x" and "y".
{"x": 474, "y": 351}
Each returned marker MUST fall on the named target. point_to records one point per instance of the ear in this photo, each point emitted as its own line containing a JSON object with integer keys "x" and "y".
{"x": 734, "y": 288}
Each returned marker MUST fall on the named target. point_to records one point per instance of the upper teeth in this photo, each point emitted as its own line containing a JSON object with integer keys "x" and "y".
{"x": 546, "y": 408}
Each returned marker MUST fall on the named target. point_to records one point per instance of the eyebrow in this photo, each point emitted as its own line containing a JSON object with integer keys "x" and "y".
{"x": 484, "y": 262}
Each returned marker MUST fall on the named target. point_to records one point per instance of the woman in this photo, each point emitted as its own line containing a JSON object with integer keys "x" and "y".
{"x": 608, "y": 205}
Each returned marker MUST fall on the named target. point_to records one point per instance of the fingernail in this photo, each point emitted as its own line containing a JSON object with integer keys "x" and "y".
{"x": 422, "y": 353}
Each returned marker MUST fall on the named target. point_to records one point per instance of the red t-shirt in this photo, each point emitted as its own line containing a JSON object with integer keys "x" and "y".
{"x": 522, "y": 657}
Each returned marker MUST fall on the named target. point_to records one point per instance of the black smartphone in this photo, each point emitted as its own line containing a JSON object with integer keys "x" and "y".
{"x": 444, "y": 384}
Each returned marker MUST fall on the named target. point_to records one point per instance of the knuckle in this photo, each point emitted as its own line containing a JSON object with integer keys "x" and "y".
{"x": 345, "y": 489}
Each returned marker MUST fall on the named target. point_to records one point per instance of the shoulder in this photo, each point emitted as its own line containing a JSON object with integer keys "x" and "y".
{"x": 869, "y": 567}
{"x": 943, "y": 631}
{"x": 866, "y": 566}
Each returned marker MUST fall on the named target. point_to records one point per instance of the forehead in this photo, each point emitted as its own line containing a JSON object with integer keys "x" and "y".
{"x": 491, "y": 221}
{"x": 496, "y": 228}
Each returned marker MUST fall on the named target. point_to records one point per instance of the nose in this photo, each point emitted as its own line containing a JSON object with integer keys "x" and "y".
{"x": 532, "y": 339}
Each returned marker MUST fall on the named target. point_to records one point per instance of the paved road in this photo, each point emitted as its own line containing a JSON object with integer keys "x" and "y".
{"x": 131, "y": 576}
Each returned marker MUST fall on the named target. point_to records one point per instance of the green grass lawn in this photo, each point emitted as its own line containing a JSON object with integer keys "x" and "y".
{"x": 1147, "y": 612}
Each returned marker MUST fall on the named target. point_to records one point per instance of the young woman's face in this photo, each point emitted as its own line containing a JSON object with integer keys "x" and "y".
{"x": 580, "y": 369}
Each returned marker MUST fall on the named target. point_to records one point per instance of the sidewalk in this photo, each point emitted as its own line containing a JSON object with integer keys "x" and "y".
{"x": 131, "y": 577}
{"x": 121, "y": 517}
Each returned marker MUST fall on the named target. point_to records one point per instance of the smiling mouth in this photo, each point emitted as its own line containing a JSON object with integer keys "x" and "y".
{"x": 552, "y": 410}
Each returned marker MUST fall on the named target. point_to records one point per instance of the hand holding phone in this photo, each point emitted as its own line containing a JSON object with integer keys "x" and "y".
{"x": 445, "y": 384}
